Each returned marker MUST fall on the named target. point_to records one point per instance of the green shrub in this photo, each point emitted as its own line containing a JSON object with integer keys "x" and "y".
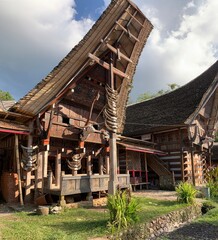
{"x": 212, "y": 181}
{"x": 186, "y": 193}
{"x": 122, "y": 209}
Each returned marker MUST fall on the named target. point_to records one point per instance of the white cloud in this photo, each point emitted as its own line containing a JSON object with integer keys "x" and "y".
{"x": 35, "y": 36}
{"x": 181, "y": 55}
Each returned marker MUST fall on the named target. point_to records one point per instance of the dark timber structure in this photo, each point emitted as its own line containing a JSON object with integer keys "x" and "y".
{"x": 181, "y": 123}
{"x": 65, "y": 130}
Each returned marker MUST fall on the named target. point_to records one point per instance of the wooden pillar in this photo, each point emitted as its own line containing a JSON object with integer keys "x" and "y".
{"x": 89, "y": 165}
{"x": 29, "y": 173}
{"x": 45, "y": 162}
{"x": 18, "y": 168}
{"x": 107, "y": 160}
{"x": 101, "y": 166}
{"x": 181, "y": 154}
{"x": 49, "y": 179}
{"x": 192, "y": 164}
{"x": 146, "y": 170}
{"x": 113, "y": 179}
{"x": 62, "y": 201}
{"x": 58, "y": 169}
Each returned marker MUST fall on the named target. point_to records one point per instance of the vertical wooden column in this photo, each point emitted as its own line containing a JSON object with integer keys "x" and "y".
{"x": 113, "y": 179}
{"x": 107, "y": 160}
{"x": 58, "y": 169}
{"x": 146, "y": 170}
{"x": 181, "y": 153}
{"x": 192, "y": 164}
{"x": 45, "y": 161}
{"x": 28, "y": 174}
{"x": 18, "y": 168}
{"x": 89, "y": 165}
{"x": 101, "y": 166}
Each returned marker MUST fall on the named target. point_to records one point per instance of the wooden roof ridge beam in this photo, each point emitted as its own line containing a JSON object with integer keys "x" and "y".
{"x": 127, "y": 31}
{"x": 117, "y": 51}
{"x": 107, "y": 66}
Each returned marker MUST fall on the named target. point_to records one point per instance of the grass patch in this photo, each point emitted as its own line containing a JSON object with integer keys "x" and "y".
{"x": 152, "y": 208}
{"x": 211, "y": 217}
{"x": 75, "y": 224}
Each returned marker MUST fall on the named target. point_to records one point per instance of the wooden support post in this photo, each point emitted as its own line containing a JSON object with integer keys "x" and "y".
{"x": 146, "y": 171}
{"x": 74, "y": 172}
{"x": 89, "y": 165}
{"x": 62, "y": 201}
{"x": 49, "y": 179}
{"x": 58, "y": 169}
{"x": 113, "y": 179}
{"x": 193, "y": 166}
{"x": 101, "y": 172}
{"x": 18, "y": 169}
{"x": 107, "y": 160}
{"x": 28, "y": 174}
{"x": 181, "y": 153}
{"x": 45, "y": 162}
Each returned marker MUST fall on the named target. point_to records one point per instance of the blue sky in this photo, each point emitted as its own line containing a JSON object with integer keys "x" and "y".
{"x": 92, "y": 10}
{"x": 37, "y": 34}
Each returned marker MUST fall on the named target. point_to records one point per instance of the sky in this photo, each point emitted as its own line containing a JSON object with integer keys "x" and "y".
{"x": 35, "y": 35}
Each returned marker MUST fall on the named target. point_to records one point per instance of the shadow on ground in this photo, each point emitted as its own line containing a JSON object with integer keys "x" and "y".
{"x": 193, "y": 231}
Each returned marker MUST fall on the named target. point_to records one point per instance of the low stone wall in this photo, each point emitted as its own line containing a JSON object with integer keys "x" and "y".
{"x": 165, "y": 223}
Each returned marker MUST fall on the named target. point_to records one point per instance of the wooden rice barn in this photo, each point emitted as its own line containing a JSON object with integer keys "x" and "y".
{"x": 70, "y": 122}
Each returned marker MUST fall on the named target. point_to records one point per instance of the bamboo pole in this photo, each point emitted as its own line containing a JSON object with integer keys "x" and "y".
{"x": 18, "y": 169}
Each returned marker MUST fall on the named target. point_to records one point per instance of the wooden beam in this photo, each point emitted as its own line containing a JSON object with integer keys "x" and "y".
{"x": 128, "y": 32}
{"x": 107, "y": 66}
{"x": 117, "y": 52}
{"x": 132, "y": 16}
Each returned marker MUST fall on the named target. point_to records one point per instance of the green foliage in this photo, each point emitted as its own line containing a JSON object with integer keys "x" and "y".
{"x": 212, "y": 181}
{"x": 4, "y": 96}
{"x": 186, "y": 193}
{"x": 122, "y": 209}
{"x": 147, "y": 95}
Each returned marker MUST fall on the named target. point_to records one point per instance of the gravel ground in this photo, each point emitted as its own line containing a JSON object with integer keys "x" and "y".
{"x": 156, "y": 194}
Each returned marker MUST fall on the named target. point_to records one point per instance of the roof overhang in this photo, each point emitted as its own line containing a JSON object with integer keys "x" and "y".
{"x": 135, "y": 148}
{"x": 13, "y": 128}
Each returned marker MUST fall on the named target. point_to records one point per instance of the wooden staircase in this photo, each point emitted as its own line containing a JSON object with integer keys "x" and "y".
{"x": 166, "y": 176}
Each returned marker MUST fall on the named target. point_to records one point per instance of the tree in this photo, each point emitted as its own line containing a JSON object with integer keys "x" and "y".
{"x": 4, "y": 96}
{"x": 147, "y": 95}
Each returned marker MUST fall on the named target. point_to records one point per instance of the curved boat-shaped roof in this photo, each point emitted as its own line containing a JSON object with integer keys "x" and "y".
{"x": 178, "y": 107}
{"x": 123, "y": 26}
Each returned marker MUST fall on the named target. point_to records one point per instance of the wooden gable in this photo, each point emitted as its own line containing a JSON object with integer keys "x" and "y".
{"x": 118, "y": 37}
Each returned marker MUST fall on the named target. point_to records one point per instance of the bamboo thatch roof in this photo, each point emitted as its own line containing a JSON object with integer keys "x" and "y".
{"x": 177, "y": 108}
{"x": 123, "y": 24}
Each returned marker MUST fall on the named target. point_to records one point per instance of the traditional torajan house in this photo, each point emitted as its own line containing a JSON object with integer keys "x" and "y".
{"x": 76, "y": 114}
{"x": 182, "y": 123}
